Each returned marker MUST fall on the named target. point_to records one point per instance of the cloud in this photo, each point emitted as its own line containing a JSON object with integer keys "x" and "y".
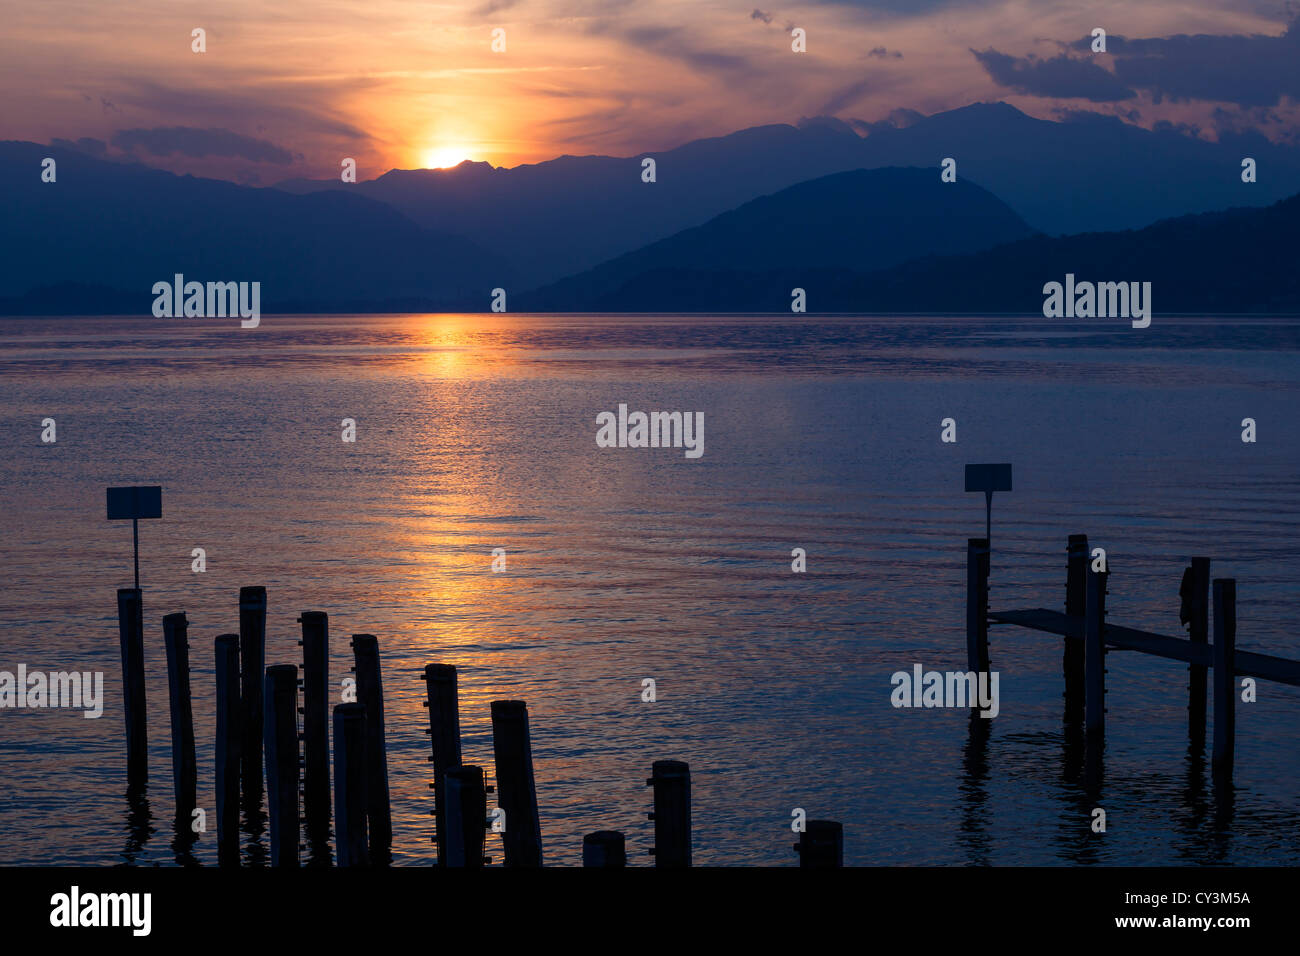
{"x": 309, "y": 110}
{"x": 1062, "y": 77}
{"x": 847, "y": 96}
{"x": 674, "y": 42}
{"x": 760, "y": 15}
{"x": 190, "y": 141}
{"x": 881, "y": 52}
{"x": 86, "y": 144}
{"x": 1067, "y": 115}
{"x": 1250, "y": 71}
{"x": 494, "y": 6}
{"x": 907, "y": 8}
{"x": 1246, "y": 70}
{"x": 900, "y": 118}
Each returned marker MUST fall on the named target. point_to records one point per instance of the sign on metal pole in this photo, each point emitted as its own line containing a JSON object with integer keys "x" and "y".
{"x": 140, "y": 501}
{"x": 988, "y": 479}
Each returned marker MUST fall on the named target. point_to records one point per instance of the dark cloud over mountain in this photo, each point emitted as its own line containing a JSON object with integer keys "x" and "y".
{"x": 1248, "y": 70}
{"x": 189, "y": 141}
{"x": 1060, "y": 77}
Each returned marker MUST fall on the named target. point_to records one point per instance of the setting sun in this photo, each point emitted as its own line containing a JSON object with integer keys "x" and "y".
{"x": 444, "y": 157}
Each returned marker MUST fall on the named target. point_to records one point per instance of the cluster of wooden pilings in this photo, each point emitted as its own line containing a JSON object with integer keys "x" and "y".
{"x": 257, "y": 728}
{"x": 1089, "y": 638}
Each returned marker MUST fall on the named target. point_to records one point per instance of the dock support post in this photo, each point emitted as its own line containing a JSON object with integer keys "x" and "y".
{"x": 604, "y": 848}
{"x": 370, "y": 692}
{"x": 1225, "y": 677}
{"x": 184, "y": 771}
{"x": 516, "y": 787}
{"x": 281, "y": 713}
{"x": 130, "y": 628}
{"x": 228, "y": 749}
{"x": 1094, "y": 652}
{"x": 466, "y": 816}
{"x": 252, "y": 658}
{"x": 1076, "y": 589}
{"x": 977, "y": 605}
{"x": 821, "y": 844}
{"x": 444, "y": 740}
{"x": 350, "y": 784}
{"x": 1196, "y": 614}
{"x": 671, "y": 780}
{"x": 315, "y": 721}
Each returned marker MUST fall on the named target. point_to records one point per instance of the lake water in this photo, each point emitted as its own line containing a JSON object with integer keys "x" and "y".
{"x": 478, "y": 432}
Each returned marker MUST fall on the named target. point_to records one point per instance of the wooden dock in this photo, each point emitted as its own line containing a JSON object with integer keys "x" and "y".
{"x": 1248, "y": 664}
{"x": 1089, "y": 637}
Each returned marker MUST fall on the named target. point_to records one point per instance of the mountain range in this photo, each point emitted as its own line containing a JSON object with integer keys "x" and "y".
{"x": 1086, "y": 173}
{"x": 733, "y": 223}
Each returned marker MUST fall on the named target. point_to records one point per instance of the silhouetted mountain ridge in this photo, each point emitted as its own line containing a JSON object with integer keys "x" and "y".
{"x": 1086, "y": 173}
{"x": 860, "y": 220}
{"x": 123, "y": 227}
{"x": 1239, "y": 260}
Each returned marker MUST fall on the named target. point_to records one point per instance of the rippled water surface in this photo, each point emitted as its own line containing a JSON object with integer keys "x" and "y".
{"x": 478, "y": 432}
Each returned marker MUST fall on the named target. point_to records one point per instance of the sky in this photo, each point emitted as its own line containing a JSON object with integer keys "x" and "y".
{"x": 289, "y": 88}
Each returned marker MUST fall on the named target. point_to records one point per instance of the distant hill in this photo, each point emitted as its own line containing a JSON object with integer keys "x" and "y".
{"x": 1236, "y": 261}
{"x": 559, "y": 217}
{"x": 98, "y": 237}
{"x": 860, "y": 221}
{"x": 1085, "y": 173}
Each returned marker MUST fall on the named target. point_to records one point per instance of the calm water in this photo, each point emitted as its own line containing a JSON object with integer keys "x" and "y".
{"x": 477, "y": 432}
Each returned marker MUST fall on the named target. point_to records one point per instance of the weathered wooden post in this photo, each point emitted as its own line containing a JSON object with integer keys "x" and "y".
{"x": 130, "y": 629}
{"x": 315, "y": 722}
{"x": 671, "y": 780}
{"x": 281, "y": 714}
{"x": 1225, "y": 677}
{"x": 977, "y": 605}
{"x": 1094, "y": 653}
{"x": 444, "y": 740}
{"x": 228, "y": 748}
{"x": 1195, "y": 613}
{"x": 350, "y": 784}
{"x": 604, "y": 848}
{"x": 466, "y": 816}
{"x": 184, "y": 769}
{"x": 821, "y": 844}
{"x": 1076, "y": 577}
{"x": 516, "y": 787}
{"x": 252, "y": 661}
{"x": 370, "y": 692}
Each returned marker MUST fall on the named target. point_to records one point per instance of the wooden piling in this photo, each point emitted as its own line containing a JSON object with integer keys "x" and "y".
{"x": 130, "y": 628}
{"x": 228, "y": 749}
{"x": 252, "y": 661}
{"x": 370, "y": 693}
{"x": 1076, "y": 590}
{"x": 184, "y": 769}
{"x": 604, "y": 848}
{"x": 977, "y": 605}
{"x": 1196, "y": 614}
{"x": 350, "y": 785}
{"x": 444, "y": 739}
{"x": 281, "y": 728}
{"x": 1094, "y": 653}
{"x": 671, "y": 780}
{"x": 315, "y": 721}
{"x": 821, "y": 844}
{"x": 1225, "y": 677}
{"x": 466, "y": 816}
{"x": 516, "y": 787}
